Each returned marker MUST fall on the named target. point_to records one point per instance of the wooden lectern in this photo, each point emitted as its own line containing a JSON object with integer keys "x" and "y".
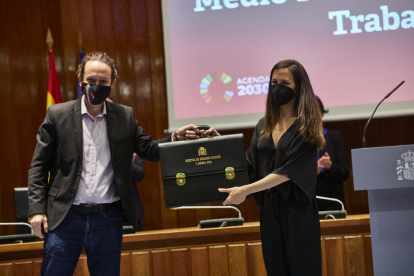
{"x": 388, "y": 175}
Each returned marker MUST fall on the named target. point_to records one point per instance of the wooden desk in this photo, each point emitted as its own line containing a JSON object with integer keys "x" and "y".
{"x": 346, "y": 248}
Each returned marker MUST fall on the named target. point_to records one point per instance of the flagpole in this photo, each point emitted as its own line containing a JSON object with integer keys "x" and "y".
{"x": 53, "y": 95}
{"x": 80, "y": 41}
{"x": 81, "y": 56}
{"x": 49, "y": 40}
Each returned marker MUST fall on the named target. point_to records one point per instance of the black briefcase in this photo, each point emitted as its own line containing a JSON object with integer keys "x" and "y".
{"x": 193, "y": 170}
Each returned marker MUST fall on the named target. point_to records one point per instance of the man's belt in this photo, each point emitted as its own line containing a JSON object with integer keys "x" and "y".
{"x": 96, "y": 208}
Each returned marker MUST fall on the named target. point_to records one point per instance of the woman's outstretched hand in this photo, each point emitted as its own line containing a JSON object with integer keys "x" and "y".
{"x": 236, "y": 195}
{"x": 210, "y": 132}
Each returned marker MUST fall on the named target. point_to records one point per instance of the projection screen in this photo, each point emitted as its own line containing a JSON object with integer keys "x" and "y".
{"x": 219, "y": 54}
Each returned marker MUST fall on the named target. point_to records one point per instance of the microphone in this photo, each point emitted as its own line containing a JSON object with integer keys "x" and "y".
{"x": 389, "y": 94}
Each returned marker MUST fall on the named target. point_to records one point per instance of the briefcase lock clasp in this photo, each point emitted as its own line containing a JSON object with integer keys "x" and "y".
{"x": 180, "y": 178}
{"x": 230, "y": 174}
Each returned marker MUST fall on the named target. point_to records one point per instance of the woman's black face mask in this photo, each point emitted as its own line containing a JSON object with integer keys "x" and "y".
{"x": 281, "y": 94}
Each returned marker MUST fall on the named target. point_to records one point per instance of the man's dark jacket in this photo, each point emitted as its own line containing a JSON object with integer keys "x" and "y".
{"x": 59, "y": 150}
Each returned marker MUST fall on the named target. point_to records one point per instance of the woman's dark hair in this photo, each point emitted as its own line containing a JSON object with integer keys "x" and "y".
{"x": 306, "y": 106}
{"x": 99, "y": 56}
{"x": 321, "y": 106}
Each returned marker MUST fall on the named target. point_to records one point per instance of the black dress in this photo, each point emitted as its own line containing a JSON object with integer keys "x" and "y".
{"x": 329, "y": 182}
{"x": 289, "y": 222}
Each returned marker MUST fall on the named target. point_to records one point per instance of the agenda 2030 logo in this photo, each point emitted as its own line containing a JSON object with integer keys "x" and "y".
{"x": 218, "y": 88}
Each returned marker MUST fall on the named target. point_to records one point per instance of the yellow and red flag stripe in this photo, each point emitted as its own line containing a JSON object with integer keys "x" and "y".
{"x": 53, "y": 91}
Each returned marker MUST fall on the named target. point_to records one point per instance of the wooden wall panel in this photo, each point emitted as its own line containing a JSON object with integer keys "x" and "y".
{"x": 37, "y": 64}
{"x": 70, "y": 40}
{"x": 334, "y": 257}
{"x": 218, "y": 260}
{"x": 123, "y": 52}
{"x": 23, "y": 268}
{"x": 342, "y": 255}
{"x": 150, "y": 186}
{"x": 186, "y": 218}
{"x": 141, "y": 264}
{"x": 37, "y": 265}
{"x": 179, "y": 262}
{"x": 161, "y": 264}
{"x": 131, "y": 33}
{"x": 237, "y": 255}
{"x": 6, "y": 269}
{"x": 255, "y": 259}
{"x": 202, "y": 214}
{"x": 199, "y": 261}
{"x": 21, "y": 103}
{"x": 8, "y": 144}
{"x": 126, "y": 264}
{"x": 87, "y": 26}
{"x": 158, "y": 89}
{"x": 354, "y": 254}
{"x": 369, "y": 264}
{"x": 104, "y": 24}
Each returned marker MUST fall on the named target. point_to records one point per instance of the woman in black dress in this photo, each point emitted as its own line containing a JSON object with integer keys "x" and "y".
{"x": 283, "y": 170}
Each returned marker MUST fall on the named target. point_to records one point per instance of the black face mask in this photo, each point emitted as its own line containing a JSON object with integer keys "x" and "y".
{"x": 281, "y": 94}
{"x": 95, "y": 94}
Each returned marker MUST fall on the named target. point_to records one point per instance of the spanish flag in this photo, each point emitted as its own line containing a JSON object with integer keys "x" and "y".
{"x": 53, "y": 91}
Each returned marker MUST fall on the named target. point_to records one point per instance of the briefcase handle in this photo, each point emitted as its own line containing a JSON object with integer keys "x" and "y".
{"x": 201, "y": 127}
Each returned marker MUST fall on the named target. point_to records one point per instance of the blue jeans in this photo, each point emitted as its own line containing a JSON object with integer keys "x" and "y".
{"x": 99, "y": 233}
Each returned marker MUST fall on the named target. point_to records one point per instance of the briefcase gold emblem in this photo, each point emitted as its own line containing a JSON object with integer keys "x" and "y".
{"x": 202, "y": 151}
{"x": 180, "y": 178}
{"x": 230, "y": 174}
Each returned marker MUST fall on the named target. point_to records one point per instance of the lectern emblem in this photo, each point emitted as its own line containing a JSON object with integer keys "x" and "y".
{"x": 405, "y": 169}
{"x": 202, "y": 151}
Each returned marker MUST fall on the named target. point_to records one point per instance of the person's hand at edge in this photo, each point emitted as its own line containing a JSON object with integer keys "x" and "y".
{"x": 210, "y": 132}
{"x": 36, "y": 222}
{"x": 325, "y": 161}
{"x": 320, "y": 166}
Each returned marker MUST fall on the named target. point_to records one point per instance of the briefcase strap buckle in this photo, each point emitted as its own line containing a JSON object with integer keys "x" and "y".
{"x": 180, "y": 178}
{"x": 230, "y": 174}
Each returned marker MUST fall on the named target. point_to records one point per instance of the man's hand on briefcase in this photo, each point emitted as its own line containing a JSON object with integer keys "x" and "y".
{"x": 187, "y": 132}
{"x": 236, "y": 195}
{"x": 193, "y": 132}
